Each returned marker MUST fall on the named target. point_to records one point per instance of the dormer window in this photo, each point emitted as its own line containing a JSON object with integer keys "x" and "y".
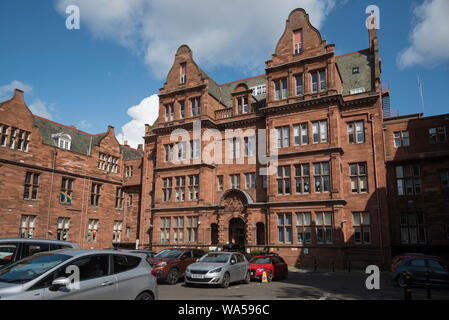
{"x": 63, "y": 140}
{"x": 183, "y": 73}
{"x": 242, "y": 105}
{"x": 355, "y": 70}
{"x": 297, "y": 41}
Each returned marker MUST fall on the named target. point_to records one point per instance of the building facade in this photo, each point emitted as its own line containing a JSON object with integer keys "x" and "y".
{"x": 57, "y": 182}
{"x": 325, "y": 199}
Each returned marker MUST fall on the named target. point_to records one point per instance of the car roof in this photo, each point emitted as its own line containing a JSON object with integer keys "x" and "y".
{"x": 26, "y": 240}
{"x": 81, "y": 252}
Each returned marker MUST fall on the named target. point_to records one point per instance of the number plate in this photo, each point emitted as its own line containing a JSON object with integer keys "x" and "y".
{"x": 197, "y": 276}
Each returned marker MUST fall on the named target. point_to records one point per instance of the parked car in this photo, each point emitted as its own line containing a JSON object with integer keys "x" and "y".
{"x": 103, "y": 275}
{"x": 15, "y": 249}
{"x": 402, "y": 256}
{"x": 417, "y": 266}
{"x": 218, "y": 268}
{"x": 274, "y": 266}
{"x": 148, "y": 253}
{"x": 170, "y": 265}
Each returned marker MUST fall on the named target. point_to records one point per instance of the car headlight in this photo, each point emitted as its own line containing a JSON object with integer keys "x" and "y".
{"x": 260, "y": 269}
{"x": 161, "y": 264}
{"x": 215, "y": 270}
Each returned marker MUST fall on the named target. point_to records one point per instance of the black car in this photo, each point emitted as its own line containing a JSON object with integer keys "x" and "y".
{"x": 417, "y": 268}
{"x": 15, "y": 249}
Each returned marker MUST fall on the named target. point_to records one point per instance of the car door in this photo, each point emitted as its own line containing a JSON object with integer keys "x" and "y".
{"x": 123, "y": 269}
{"x": 96, "y": 280}
{"x": 234, "y": 268}
{"x": 418, "y": 269}
{"x": 243, "y": 266}
{"x": 439, "y": 273}
{"x": 185, "y": 260}
{"x": 276, "y": 267}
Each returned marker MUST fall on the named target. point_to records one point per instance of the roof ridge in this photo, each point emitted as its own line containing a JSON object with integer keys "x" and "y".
{"x": 347, "y": 54}
{"x": 228, "y": 83}
{"x": 68, "y": 127}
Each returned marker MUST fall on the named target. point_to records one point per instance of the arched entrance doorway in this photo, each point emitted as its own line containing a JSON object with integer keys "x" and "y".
{"x": 214, "y": 233}
{"x": 237, "y": 231}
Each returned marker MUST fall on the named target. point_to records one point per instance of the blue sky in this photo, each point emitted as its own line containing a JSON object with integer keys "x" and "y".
{"x": 92, "y": 77}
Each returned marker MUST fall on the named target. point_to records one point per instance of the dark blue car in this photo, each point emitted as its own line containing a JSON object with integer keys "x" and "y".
{"x": 417, "y": 268}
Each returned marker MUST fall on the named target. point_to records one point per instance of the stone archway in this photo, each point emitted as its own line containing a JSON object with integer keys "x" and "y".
{"x": 237, "y": 231}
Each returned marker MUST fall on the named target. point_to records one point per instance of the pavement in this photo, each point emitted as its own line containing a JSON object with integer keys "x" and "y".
{"x": 301, "y": 285}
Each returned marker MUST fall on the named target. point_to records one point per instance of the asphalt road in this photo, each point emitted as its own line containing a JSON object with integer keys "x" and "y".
{"x": 300, "y": 285}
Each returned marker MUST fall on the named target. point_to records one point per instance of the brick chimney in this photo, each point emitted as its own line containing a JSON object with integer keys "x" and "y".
{"x": 18, "y": 94}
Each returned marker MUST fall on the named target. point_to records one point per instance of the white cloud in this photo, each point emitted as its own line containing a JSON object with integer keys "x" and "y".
{"x": 6, "y": 91}
{"x": 231, "y": 33}
{"x": 84, "y": 124}
{"x": 40, "y": 108}
{"x": 429, "y": 37}
{"x": 145, "y": 112}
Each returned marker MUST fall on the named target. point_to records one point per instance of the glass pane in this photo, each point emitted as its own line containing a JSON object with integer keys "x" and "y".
{"x": 280, "y": 219}
{"x": 328, "y": 218}
{"x": 319, "y": 218}
{"x": 366, "y": 218}
{"x": 399, "y": 172}
{"x": 305, "y": 169}
{"x": 299, "y": 217}
{"x": 325, "y": 167}
{"x": 307, "y": 219}
{"x": 288, "y": 219}
{"x": 316, "y": 168}
{"x": 356, "y": 218}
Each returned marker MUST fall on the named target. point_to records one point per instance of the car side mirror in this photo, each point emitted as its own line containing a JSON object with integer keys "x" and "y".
{"x": 59, "y": 283}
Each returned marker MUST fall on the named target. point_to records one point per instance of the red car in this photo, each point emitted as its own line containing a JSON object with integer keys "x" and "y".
{"x": 273, "y": 265}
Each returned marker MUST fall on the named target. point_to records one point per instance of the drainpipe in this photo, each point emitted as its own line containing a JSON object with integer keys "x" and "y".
{"x": 55, "y": 153}
{"x": 370, "y": 119}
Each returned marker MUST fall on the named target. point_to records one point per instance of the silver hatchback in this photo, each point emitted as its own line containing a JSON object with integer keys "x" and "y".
{"x": 73, "y": 274}
{"x": 219, "y": 268}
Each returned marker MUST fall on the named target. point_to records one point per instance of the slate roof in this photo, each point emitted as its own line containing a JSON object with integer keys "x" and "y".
{"x": 228, "y": 88}
{"x": 130, "y": 153}
{"x": 364, "y": 79}
{"x": 80, "y": 140}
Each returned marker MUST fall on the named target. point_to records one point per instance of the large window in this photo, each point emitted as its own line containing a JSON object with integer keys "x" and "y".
{"x": 178, "y": 229}
{"x": 401, "y": 139}
{"x": 63, "y": 229}
{"x": 318, "y": 80}
{"x": 168, "y": 152}
{"x": 284, "y": 180}
{"x": 283, "y": 137}
{"x": 321, "y": 177}
{"x": 250, "y": 180}
{"x": 285, "y": 228}
{"x": 195, "y": 106}
{"x": 302, "y": 178}
{"x": 220, "y": 183}
{"x": 107, "y": 162}
{"x": 303, "y": 228}
{"x": 234, "y": 181}
{"x": 166, "y": 189}
{"x": 299, "y": 85}
{"x": 242, "y": 105}
{"x": 119, "y": 196}
{"x": 412, "y": 228}
{"x": 319, "y": 131}
{"x": 165, "y": 229}
{"x": 194, "y": 187}
{"x": 356, "y": 132}
{"x": 27, "y": 226}
{"x": 324, "y": 227}
{"x": 297, "y": 41}
{"x": 3, "y": 134}
{"x": 437, "y": 135}
{"x": 408, "y": 180}
{"x": 65, "y": 195}
{"x": 280, "y": 89}
{"x": 195, "y": 149}
{"x": 180, "y": 187}
{"x": 117, "y": 231}
{"x": 182, "y": 71}
{"x": 362, "y": 228}
{"x": 192, "y": 229}
{"x": 182, "y": 109}
{"x": 95, "y": 194}
{"x": 92, "y": 230}
{"x": 31, "y": 186}
{"x": 250, "y": 146}
{"x": 359, "y": 180}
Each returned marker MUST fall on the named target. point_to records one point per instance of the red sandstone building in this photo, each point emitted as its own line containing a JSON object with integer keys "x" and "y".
{"x": 350, "y": 185}
{"x": 61, "y": 183}
{"x": 327, "y": 198}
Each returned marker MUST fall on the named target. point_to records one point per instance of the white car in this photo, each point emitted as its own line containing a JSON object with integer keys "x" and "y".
{"x": 74, "y": 274}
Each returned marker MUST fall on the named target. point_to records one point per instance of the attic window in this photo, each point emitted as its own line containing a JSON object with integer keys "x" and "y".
{"x": 355, "y": 70}
{"x": 64, "y": 141}
{"x": 297, "y": 41}
{"x": 183, "y": 73}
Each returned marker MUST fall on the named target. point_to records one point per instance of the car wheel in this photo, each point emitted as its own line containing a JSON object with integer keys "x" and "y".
{"x": 172, "y": 276}
{"x": 226, "y": 281}
{"x": 248, "y": 277}
{"x": 269, "y": 276}
{"x": 145, "y": 296}
{"x": 400, "y": 280}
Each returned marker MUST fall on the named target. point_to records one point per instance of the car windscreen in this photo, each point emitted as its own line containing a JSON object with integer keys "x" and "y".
{"x": 169, "y": 254}
{"x": 264, "y": 260}
{"x": 31, "y": 268}
{"x": 215, "y": 257}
